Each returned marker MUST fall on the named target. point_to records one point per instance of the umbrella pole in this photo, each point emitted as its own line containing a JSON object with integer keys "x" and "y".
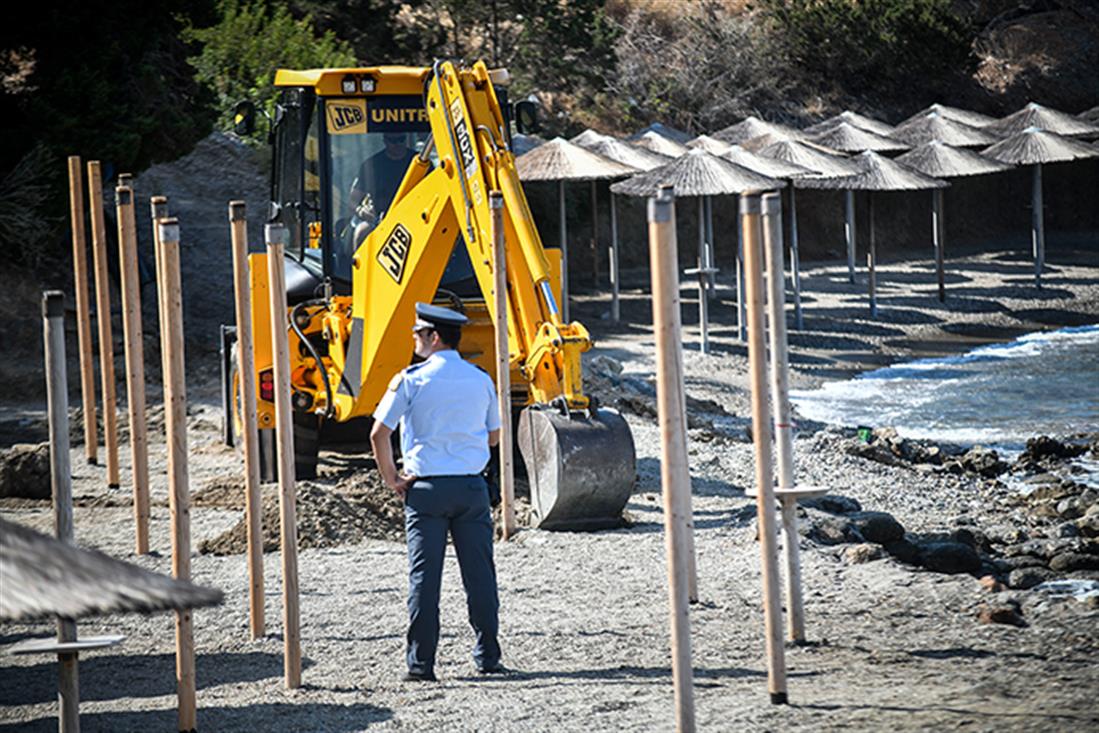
{"x": 594, "y": 236}
{"x": 615, "y": 308}
{"x": 937, "y": 231}
{"x": 750, "y": 209}
{"x": 710, "y": 278}
{"x": 741, "y": 325}
{"x": 795, "y": 262}
{"x": 674, "y": 474}
{"x": 849, "y": 231}
{"x": 57, "y": 396}
{"x": 703, "y": 310}
{"x": 872, "y": 261}
{"x": 564, "y": 254}
{"x": 1038, "y": 233}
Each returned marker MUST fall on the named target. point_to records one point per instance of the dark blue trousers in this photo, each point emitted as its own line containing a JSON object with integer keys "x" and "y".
{"x": 433, "y": 507}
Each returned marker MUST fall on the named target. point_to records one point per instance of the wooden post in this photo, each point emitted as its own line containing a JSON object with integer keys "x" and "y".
{"x": 135, "y": 363}
{"x": 711, "y": 280}
{"x": 849, "y": 231}
{"x": 795, "y": 260}
{"x": 503, "y": 363}
{"x": 937, "y": 231}
{"x": 780, "y": 399}
{"x": 175, "y": 421}
{"x": 1038, "y": 227}
{"x": 872, "y": 260}
{"x": 616, "y": 310}
{"x": 674, "y": 474}
{"x": 277, "y": 236}
{"x": 158, "y": 206}
{"x": 595, "y": 236}
{"x": 57, "y": 398}
{"x": 750, "y": 208}
{"x": 83, "y": 314}
{"x": 564, "y": 254}
{"x": 249, "y": 432}
{"x": 103, "y": 321}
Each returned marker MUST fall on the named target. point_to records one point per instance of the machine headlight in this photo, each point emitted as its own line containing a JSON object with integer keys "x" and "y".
{"x": 348, "y": 85}
{"x": 367, "y": 84}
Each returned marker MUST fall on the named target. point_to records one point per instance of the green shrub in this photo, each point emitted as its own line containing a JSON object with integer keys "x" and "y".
{"x": 873, "y": 43}
{"x": 241, "y": 52}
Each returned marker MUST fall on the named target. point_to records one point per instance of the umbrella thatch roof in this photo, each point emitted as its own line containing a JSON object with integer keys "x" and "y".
{"x": 936, "y": 126}
{"x": 663, "y": 130}
{"x": 1044, "y": 118}
{"x": 42, "y": 576}
{"x": 772, "y": 167}
{"x": 560, "y": 160}
{"x": 587, "y": 137}
{"x": 1090, "y": 116}
{"x": 847, "y": 138}
{"x": 751, "y": 127}
{"x": 697, "y": 173}
{"x": 875, "y": 174}
{"x": 757, "y": 143}
{"x": 939, "y": 160}
{"x": 851, "y": 118}
{"x": 1039, "y": 146}
{"x": 636, "y": 157}
{"x": 521, "y": 143}
{"x": 811, "y": 157}
{"x": 965, "y": 116}
{"x": 709, "y": 144}
{"x": 657, "y": 143}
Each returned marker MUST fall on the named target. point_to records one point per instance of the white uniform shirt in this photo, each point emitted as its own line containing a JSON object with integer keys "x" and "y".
{"x": 446, "y": 408}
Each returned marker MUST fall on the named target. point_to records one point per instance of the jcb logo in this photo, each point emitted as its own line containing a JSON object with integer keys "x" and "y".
{"x": 394, "y": 253}
{"x": 347, "y": 117}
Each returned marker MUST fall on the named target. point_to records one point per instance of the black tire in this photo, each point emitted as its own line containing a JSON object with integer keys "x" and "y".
{"x": 307, "y": 443}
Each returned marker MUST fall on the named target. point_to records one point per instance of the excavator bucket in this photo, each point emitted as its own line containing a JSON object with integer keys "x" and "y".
{"x": 581, "y": 467}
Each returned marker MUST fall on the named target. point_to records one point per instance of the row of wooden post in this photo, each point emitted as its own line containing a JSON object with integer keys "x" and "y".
{"x": 761, "y": 234}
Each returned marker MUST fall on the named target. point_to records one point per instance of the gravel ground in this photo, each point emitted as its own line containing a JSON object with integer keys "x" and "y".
{"x": 584, "y": 616}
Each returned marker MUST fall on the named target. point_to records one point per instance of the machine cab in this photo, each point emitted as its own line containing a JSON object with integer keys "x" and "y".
{"x": 342, "y": 142}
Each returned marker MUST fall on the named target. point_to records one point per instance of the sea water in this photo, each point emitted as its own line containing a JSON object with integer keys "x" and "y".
{"x": 997, "y": 395}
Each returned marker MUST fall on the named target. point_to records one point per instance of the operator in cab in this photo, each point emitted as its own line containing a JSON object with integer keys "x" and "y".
{"x": 449, "y": 417}
{"x": 381, "y": 173}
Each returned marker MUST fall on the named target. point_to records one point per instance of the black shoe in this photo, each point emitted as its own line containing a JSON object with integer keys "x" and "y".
{"x": 411, "y": 676}
{"x": 494, "y": 669}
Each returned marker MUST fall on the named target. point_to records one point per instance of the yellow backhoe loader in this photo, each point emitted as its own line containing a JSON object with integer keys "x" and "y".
{"x": 382, "y": 176}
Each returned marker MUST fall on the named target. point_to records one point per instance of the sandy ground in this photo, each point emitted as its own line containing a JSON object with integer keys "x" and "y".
{"x": 584, "y": 616}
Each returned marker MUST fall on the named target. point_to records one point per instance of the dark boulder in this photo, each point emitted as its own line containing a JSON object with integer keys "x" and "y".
{"x": 878, "y": 527}
{"x": 949, "y": 557}
{"x": 25, "y": 471}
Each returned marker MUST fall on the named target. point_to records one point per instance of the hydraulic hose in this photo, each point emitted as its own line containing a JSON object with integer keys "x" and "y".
{"x": 329, "y": 406}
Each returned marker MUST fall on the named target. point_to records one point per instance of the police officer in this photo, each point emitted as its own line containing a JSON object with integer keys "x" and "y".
{"x": 449, "y": 417}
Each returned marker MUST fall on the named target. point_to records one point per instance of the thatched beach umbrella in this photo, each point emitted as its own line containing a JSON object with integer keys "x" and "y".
{"x": 939, "y": 160}
{"x": 848, "y": 117}
{"x": 876, "y": 174}
{"x": 935, "y": 126}
{"x": 848, "y": 138}
{"x": 709, "y": 144}
{"x": 1090, "y": 116}
{"x": 657, "y": 143}
{"x": 1043, "y": 118}
{"x": 965, "y": 116}
{"x": 635, "y": 157}
{"x": 825, "y": 163}
{"x": 1034, "y": 147}
{"x": 701, "y": 174}
{"x": 43, "y": 577}
{"x": 560, "y": 161}
{"x": 587, "y": 137}
{"x": 751, "y": 127}
{"x": 777, "y": 168}
{"x": 665, "y": 131}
